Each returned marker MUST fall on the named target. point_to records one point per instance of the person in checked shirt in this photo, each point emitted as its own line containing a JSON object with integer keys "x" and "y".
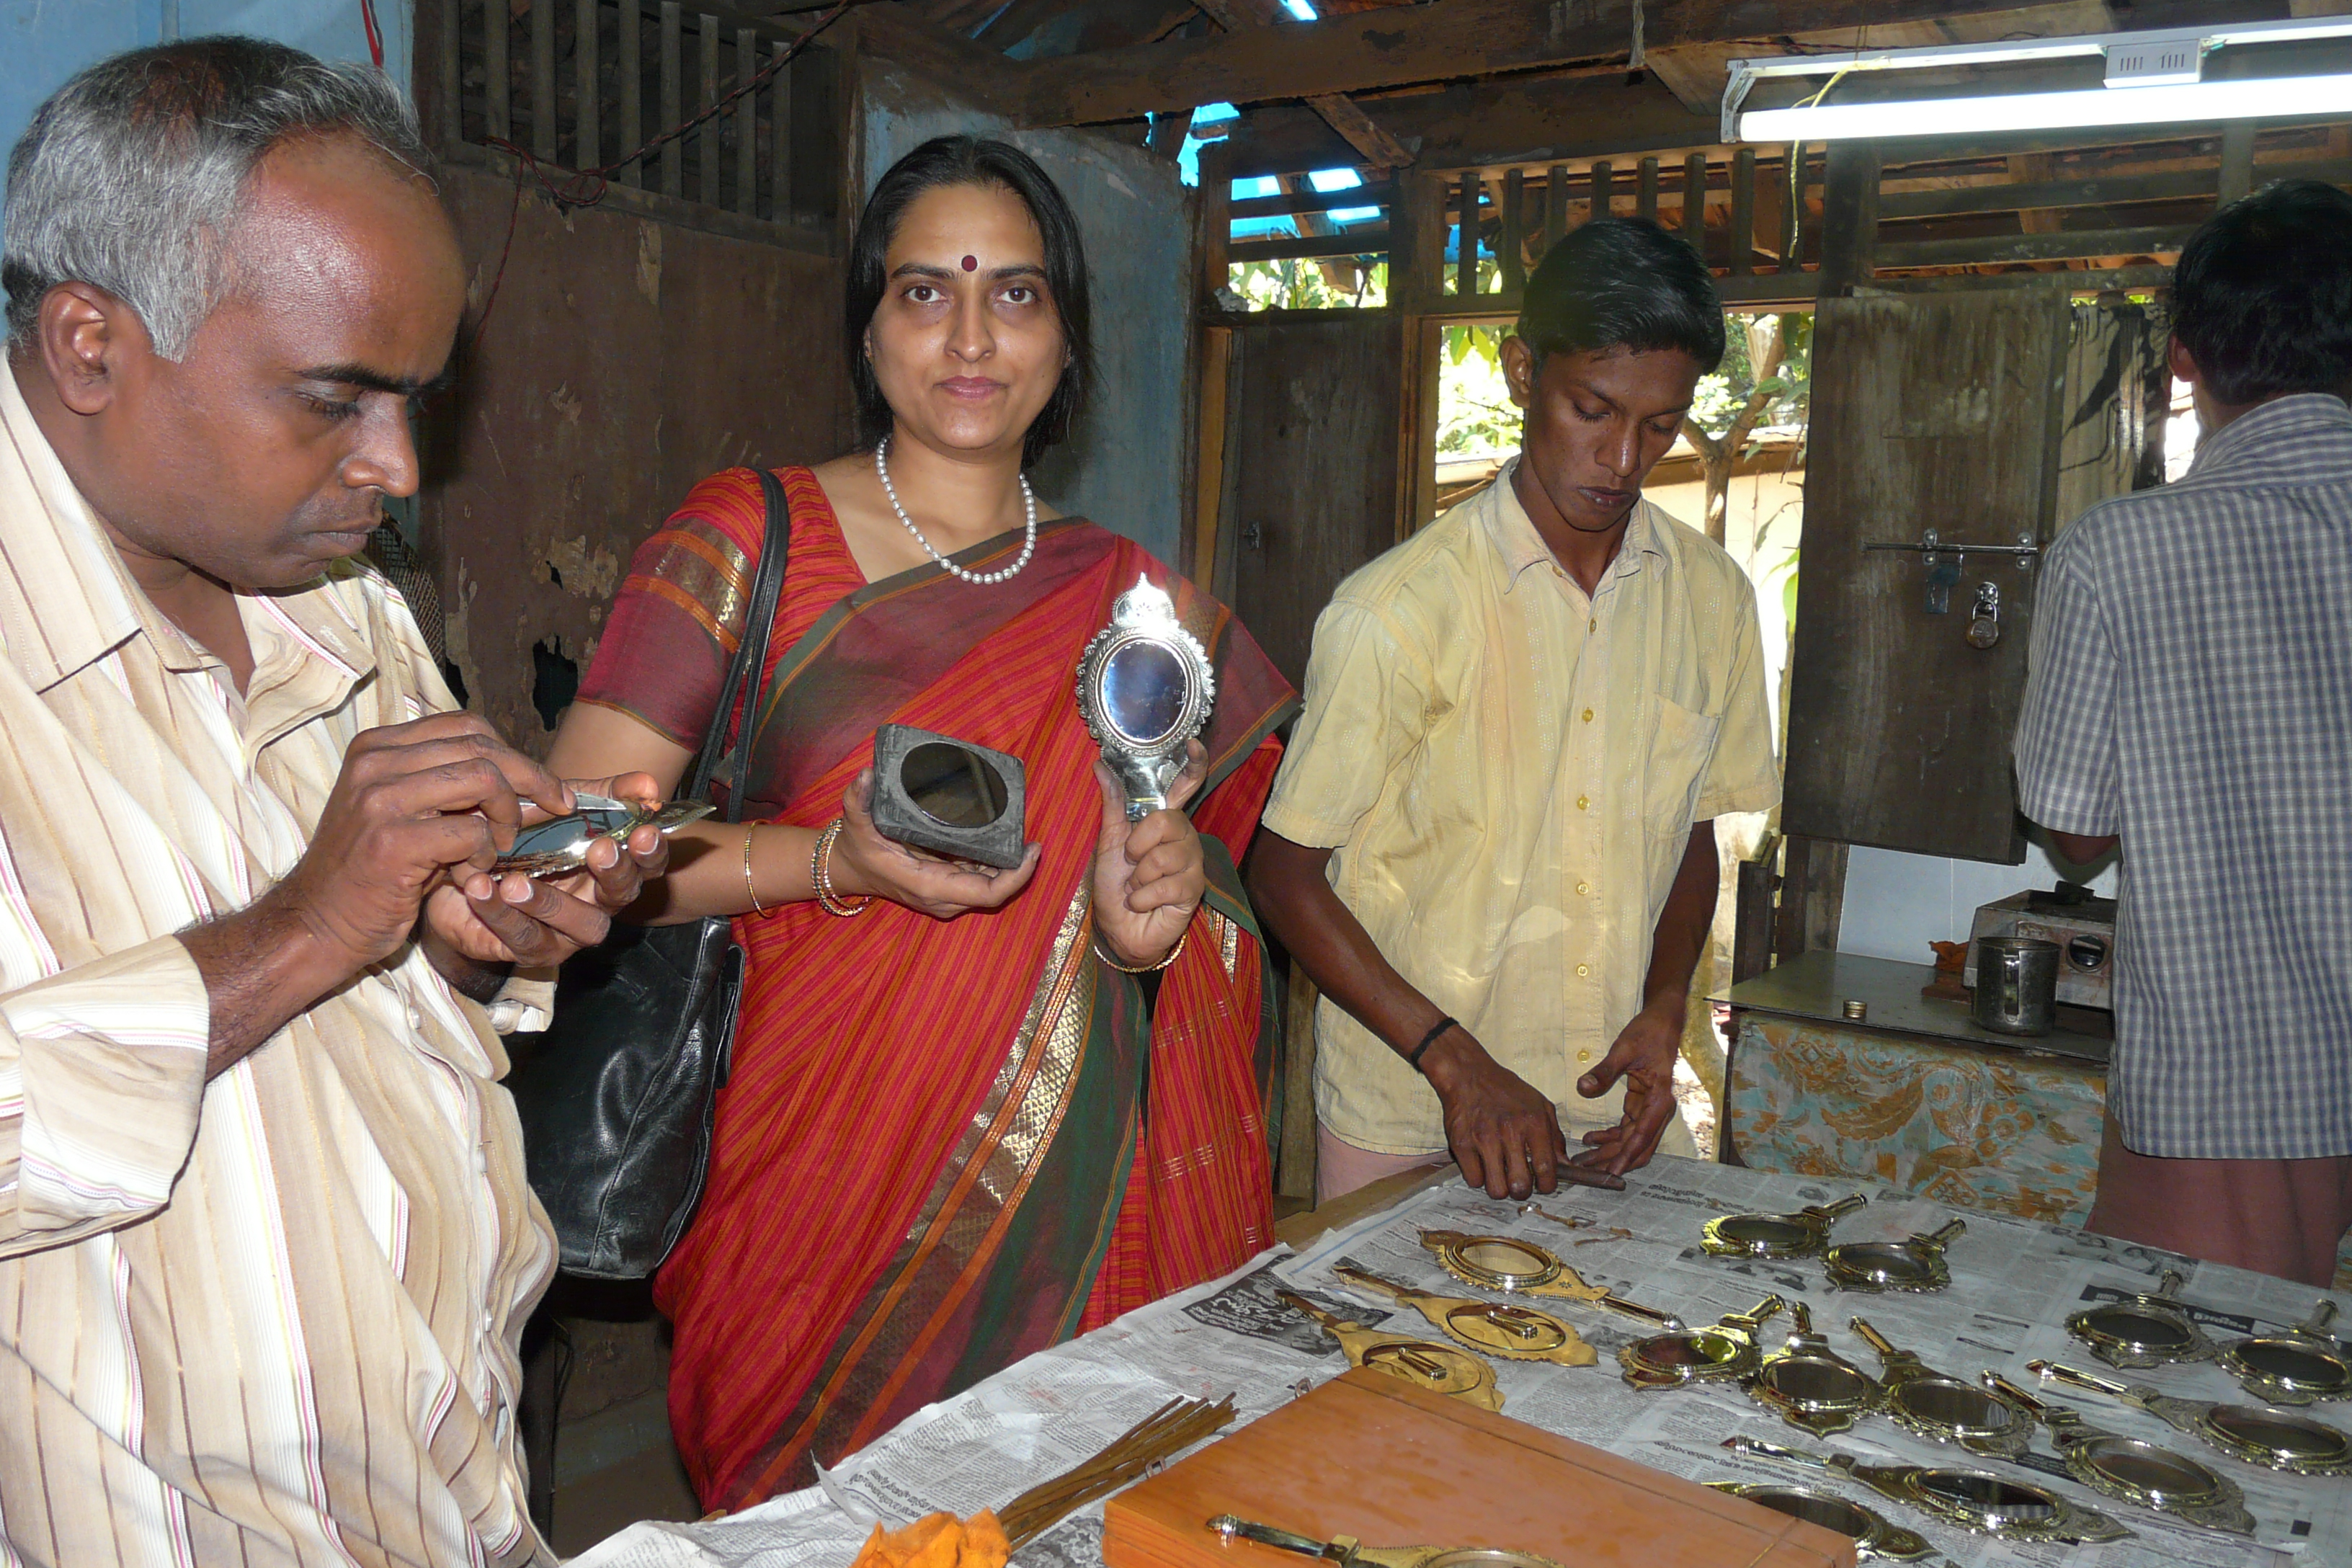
{"x": 266, "y": 1248}
{"x": 2191, "y": 700}
{"x": 1492, "y": 842}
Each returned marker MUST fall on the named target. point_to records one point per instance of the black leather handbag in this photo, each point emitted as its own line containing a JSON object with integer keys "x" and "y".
{"x": 616, "y": 1096}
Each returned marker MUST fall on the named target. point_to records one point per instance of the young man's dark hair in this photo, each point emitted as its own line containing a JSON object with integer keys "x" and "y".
{"x": 2262, "y": 297}
{"x": 1622, "y": 283}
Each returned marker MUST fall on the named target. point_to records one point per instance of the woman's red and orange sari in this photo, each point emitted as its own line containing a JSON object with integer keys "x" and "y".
{"x": 944, "y": 1144}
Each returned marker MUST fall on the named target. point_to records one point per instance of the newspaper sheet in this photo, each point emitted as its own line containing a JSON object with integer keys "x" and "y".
{"x": 2013, "y": 1284}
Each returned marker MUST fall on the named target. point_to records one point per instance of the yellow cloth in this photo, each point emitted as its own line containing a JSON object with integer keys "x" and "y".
{"x": 271, "y": 1317}
{"x": 1508, "y": 771}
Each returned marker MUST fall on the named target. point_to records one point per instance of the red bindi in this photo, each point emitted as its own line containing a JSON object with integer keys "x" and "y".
{"x": 972, "y": 264}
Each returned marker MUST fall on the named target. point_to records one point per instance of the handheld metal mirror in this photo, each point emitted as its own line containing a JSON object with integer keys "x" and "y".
{"x": 2301, "y": 1366}
{"x": 2143, "y": 1329}
{"x": 1505, "y": 1263}
{"x": 560, "y": 845}
{"x": 1946, "y": 1409}
{"x": 1914, "y": 1265}
{"x": 1874, "y": 1536}
{"x": 2295, "y": 1444}
{"x": 1145, "y": 687}
{"x": 2138, "y": 1473}
{"x": 1514, "y": 1333}
{"x": 1976, "y": 1501}
{"x": 1349, "y": 1552}
{"x": 1798, "y": 1234}
{"x": 1441, "y": 1368}
{"x": 1810, "y": 1385}
{"x": 1713, "y": 1355}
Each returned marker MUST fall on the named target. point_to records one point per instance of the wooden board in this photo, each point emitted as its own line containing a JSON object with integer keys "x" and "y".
{"x": 1369, "y": 1456}
{"x": 1930, "y": 411}
{"x": 1311, "y": 469}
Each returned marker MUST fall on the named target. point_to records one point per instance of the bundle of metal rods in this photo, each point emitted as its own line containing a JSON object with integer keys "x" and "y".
{"x": 1169, "y": 1430}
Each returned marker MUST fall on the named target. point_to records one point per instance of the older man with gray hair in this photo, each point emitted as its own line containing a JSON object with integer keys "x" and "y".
{"x": 266, "y": 1248}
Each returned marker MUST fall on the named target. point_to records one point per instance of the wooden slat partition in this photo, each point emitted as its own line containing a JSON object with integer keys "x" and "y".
{"x": 1645, "y": 191}
{"x": 1743, "y": 212}
{"x": 709, "y": 137}
{"x": 1604, "y": 190}
{"x": 498, "y": 72}
{"x": 1466, "y": 253}
{"x": 543, "y": 124}
{"x": 1216, "y": 222}
{"x": 747, "y": 124}
{"x": 588, "y": 83}
{"x": 673, "y": 98}
{"x": 1508, "y": 244}
{"x": 780, "y": 163}
{"x": 1555, "y": 205}
{"x": 1694, "y": 202}
{"x": 628, "y": 62}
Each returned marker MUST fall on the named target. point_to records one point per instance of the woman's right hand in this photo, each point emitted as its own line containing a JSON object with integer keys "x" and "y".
{"x": 864, "y": 862}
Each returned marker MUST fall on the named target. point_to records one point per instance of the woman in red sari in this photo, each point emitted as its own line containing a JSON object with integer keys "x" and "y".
{"x": 937, "y": 1151}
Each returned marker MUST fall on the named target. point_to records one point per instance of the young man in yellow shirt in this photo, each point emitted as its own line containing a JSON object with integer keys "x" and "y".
{"x": 1492, "y": 842}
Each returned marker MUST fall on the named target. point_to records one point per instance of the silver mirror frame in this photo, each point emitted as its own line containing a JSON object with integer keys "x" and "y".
{"x": 1145, "y": 613}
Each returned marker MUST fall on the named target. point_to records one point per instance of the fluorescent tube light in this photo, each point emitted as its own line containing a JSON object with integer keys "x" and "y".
{"x": 2190, "y": 103}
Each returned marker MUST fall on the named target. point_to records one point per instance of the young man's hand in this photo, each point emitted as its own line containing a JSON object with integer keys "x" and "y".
{"x": 1644, "y": 1056}
{"x": 1504, "y": 1133}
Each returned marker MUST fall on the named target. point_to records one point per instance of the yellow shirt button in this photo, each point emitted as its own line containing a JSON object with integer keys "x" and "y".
{"x": 1584, "y": 1056}
{"x": 1582, "y": 970}
{"x": 1581, "y": 803}
{"x": 1584, "y": 887}
{"x": 1593, "y": 625}
{"x": 1587, "y": 715}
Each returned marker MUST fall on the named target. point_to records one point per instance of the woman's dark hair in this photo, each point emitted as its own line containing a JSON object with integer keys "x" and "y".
{"x": 2262, "y": 297}
{"x": 1622, "y": 283}
{"x": 972, "y": 161}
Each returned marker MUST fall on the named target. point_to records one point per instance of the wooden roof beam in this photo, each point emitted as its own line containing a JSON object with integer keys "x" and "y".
{"x": 1355, "y": 127}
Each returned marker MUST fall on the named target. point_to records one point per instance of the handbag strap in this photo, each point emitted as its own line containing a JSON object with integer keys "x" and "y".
{"x": 747, "y": 671}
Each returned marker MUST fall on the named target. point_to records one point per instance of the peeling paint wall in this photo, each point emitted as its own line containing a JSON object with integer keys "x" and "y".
{"x": 624, "y": 360}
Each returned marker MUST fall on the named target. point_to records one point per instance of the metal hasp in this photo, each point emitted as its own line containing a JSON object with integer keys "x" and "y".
{"x": 1944, "y": 563}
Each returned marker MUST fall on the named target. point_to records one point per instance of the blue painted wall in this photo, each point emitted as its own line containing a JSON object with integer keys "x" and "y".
{"x": 43, "y": 42}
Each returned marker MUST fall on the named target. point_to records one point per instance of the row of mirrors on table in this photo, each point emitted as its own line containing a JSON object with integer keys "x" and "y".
{"x": 1811, "y": 1387}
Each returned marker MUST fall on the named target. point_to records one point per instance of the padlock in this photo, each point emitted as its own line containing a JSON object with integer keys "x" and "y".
{"x": 1984, "y": 617}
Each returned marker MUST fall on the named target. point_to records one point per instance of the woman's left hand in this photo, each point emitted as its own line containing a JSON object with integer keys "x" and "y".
{"x": 1148, "y": 876}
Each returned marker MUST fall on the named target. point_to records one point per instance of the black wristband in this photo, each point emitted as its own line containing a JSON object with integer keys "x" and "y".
{"x": 1413, "y": 1058}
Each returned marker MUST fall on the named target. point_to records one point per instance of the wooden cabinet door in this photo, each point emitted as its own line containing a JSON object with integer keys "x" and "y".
{"x": 1930, "y": 411}
{"x": 1310, "y": 472}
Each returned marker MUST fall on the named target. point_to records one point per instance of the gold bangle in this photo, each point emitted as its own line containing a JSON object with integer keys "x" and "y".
{"x": 1173, "y": 954}
{"x": 757, "y": 907}
{"x": 821, "y": 875}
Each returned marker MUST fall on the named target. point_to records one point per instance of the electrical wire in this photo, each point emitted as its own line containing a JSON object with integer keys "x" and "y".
{"x": 375, "y": 32}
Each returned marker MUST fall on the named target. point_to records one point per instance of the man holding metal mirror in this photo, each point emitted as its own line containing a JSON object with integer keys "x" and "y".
{"x": 1492, "y": 843}
{"x": 966, "y": 937}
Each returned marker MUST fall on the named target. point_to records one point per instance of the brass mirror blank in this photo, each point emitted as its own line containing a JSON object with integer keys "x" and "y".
{"x": 1514, "y": 1333}
{"x": 2302, "y": 1366}
{"x": 1914, "y": 1265}
{"x": 1716, "y": 1355}
{"x": 1976, "y": 1501}
{"x": 1350, "y": 1553}
{"x": 2141, "y": 1474}
{"x": 1946, "y": 1409}
{"x": 1521, "y": 1267}
{"x": 2143, "y": 1331}
{"x": 2271, "y": 1438}
{"x": 1810, "y": 1385}
{"x": 1441, "y": 1368}
{"x": 1874, "y": 1536}
{"x": 1798, "y": 1234}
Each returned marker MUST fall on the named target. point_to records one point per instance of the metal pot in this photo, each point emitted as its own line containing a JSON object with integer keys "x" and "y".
{"x": 2016, "y": 984}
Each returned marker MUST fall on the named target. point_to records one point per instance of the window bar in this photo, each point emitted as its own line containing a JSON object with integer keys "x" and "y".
{"x": 498, "y": 73}
{"x": 544, "y": 127}
{"x": 709, "y": 137}
{"x": 1645, "y": 191}
{"x": 587, "y": 122}
{"x": 1555, "y": 205}
{"x": 780, "y": 170}
{"x": 1514, "y": 264}
{"x": 673, "y": 157}
{"x": 1695, "y": 202}
{"x": 1743, "y": 213}
{"x": 1466, "y": 248}
{"x": 453, "y": 105}
{"x": 629, "y": 67}
{"x": 1604, "y": 189}
{"x": 747, "y": 125}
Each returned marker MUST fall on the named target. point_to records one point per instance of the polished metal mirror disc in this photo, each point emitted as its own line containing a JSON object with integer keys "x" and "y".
{"x": 1813, "y": 1383}
{"x": 1885, "y": 1263}
{"x": 954, "y": 785}
{"x": 1989, "y": 1500}
{"x": 1764, "y": 1236}
{"x": 1962, "y": 1408}
{"x": 2142, "y": 1333}
{"x": 2298, "y": 1365}
{"x": 1144, "y": 691}
{"x": 1511, "y": 1264}
{"x": 1816, "y": 1507}
{"x": 2287, "y": 1439}
{"x": 1487, "y": 1557}
{"x": 2154, "y": 1475}
{"x": 1705, "y": 1349}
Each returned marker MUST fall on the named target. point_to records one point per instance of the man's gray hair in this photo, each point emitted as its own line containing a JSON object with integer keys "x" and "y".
{"x": 131, "y": 175}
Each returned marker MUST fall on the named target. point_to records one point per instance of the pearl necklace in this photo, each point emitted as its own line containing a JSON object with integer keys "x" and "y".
{"x": 1028, "y": 502}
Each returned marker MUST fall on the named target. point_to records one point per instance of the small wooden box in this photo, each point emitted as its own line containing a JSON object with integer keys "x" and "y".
{"x": 1370, "y": 1456}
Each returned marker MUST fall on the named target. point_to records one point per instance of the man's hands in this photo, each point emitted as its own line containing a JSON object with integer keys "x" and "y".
{"x": 481, "y": 919}
{"x": 1643, "y": 1057}
{"x": 1504, "y": 1133}
{"x": 1148, "y": 876}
